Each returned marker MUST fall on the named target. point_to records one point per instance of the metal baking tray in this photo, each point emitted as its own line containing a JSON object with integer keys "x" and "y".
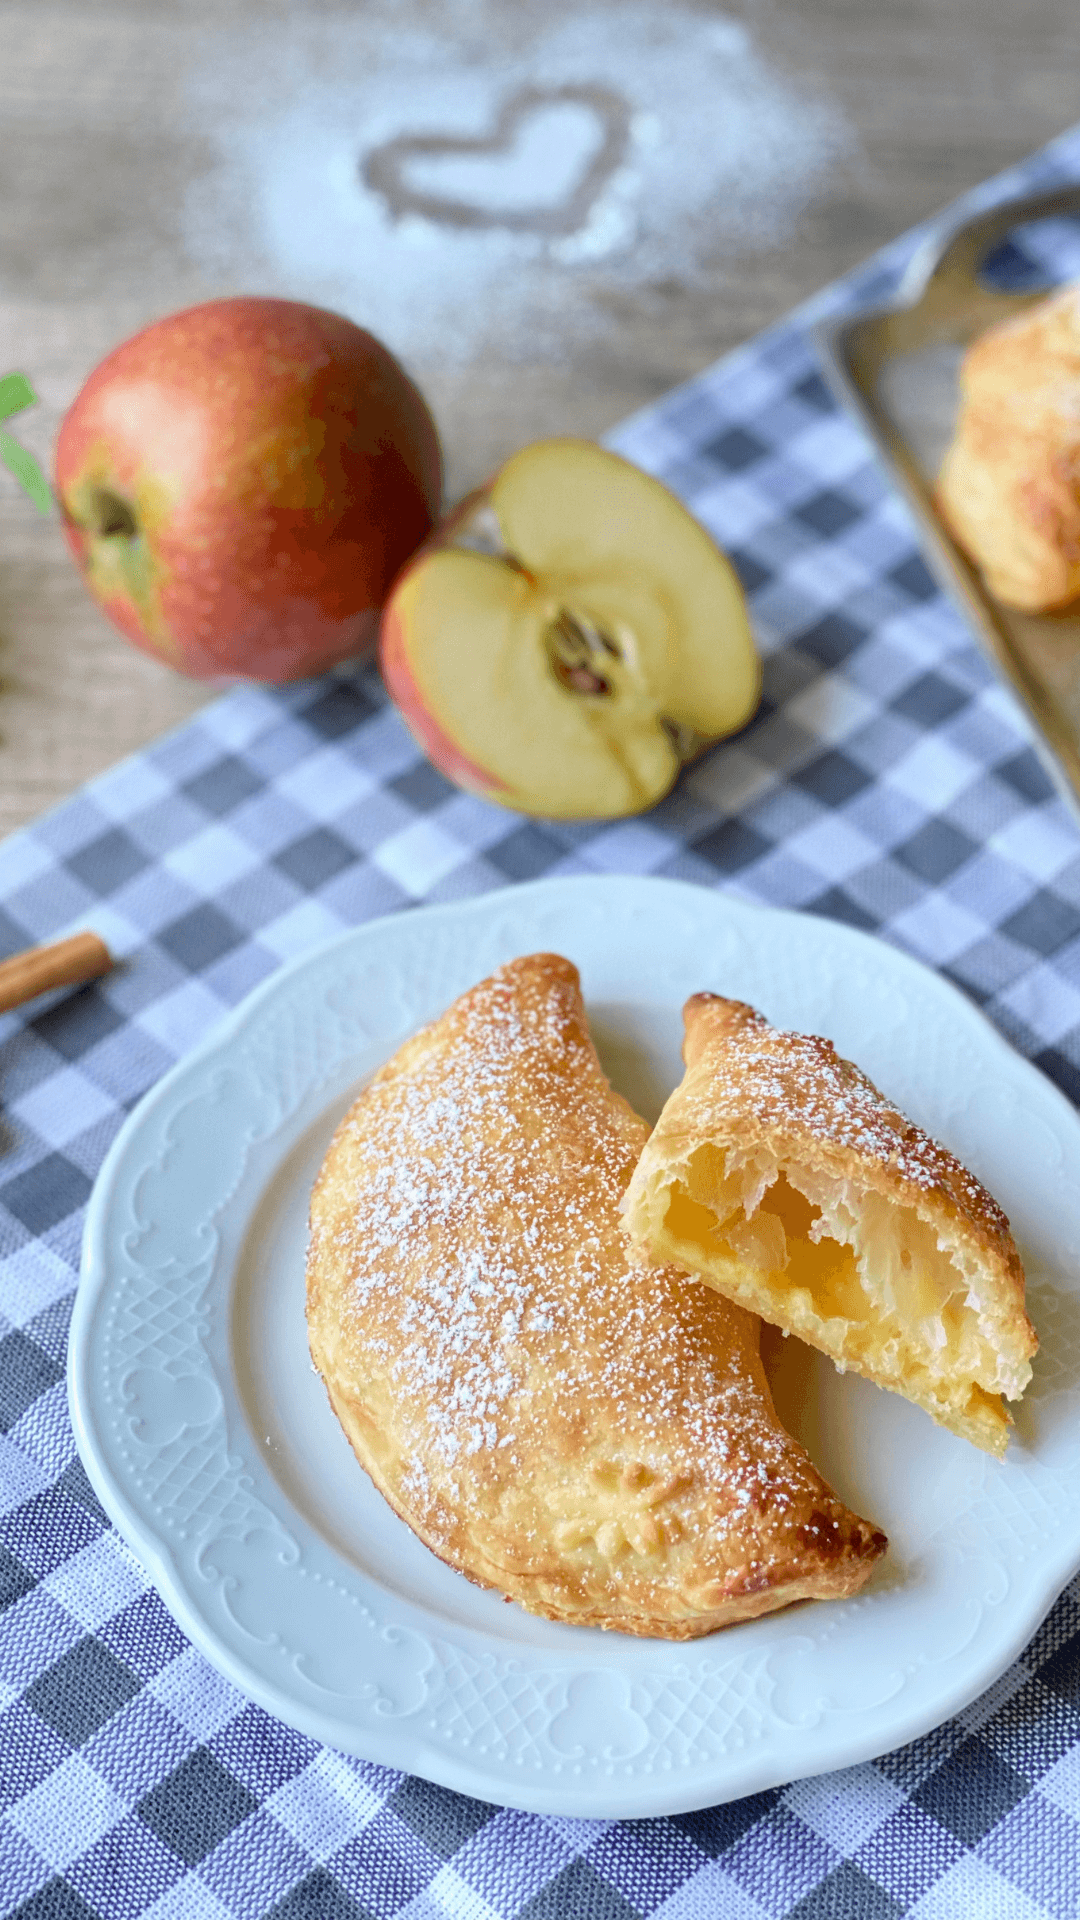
{"x": 896, "y": 369}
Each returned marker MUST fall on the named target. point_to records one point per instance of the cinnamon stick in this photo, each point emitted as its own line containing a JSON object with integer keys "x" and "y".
{"x": 64, "y": 964}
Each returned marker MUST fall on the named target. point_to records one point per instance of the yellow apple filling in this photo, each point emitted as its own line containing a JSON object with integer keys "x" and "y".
{"x": 854, "y": 1273}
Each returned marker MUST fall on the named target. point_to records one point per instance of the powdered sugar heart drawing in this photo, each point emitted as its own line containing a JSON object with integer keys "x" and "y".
{"x": 479, "y": 181}
{"x": 541, "y": 169}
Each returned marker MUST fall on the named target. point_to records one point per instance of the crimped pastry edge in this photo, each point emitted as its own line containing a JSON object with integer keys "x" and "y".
{"x": 805, "y": 1582}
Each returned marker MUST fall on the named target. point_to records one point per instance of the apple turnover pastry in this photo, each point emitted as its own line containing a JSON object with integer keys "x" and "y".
{"x": 550, "y": 1414}
{"x": 1009, "y": 486}
{"x": 780, "y": 1174}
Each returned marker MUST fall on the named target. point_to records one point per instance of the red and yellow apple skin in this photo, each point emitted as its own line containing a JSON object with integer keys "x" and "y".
{"x": 241, "y": 482}
{"x": 425, "y": 729}
{"x": 568, "y": 638}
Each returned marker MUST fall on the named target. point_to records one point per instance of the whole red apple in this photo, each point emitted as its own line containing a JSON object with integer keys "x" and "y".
{"x": 241, "y": 482}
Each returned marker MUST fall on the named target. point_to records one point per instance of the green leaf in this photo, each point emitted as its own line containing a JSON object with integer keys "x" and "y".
{"x": 15, "y": 394}
{"x": 26, "y": 471}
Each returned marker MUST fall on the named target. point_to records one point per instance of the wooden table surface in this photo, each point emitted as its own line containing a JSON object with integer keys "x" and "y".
{"x": 107, "y": 129}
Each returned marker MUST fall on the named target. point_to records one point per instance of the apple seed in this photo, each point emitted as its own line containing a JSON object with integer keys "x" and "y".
{"x": 573, "y": 643}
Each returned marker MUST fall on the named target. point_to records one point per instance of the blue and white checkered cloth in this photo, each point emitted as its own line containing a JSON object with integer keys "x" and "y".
{"x": 888, "y": 781}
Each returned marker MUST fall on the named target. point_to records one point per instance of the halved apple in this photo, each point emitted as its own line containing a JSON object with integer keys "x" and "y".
{"x": 569, "y": 638}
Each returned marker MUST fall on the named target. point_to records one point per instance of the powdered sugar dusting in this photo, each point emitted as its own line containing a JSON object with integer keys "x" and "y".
{"x": 793, "y": 1082}
{"x": 472, "y": 1286}
{"x": 467, "y": 180}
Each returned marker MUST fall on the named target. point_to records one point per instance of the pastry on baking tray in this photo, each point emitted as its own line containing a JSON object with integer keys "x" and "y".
{"x": 779, "y": 1173}
{"x": 550, "y": 1414}
{"x": 1009, "y": 488}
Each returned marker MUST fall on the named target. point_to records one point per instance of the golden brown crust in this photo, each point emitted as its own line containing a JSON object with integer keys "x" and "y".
{"x": 779, "y": 1173}
{"x": 1009, "y": 487}
{"x": 552, "y": 1416}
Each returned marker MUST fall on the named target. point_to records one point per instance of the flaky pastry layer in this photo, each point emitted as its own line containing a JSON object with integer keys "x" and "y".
{"x": 780, "y": 1174}
{"x": 551, "y": 1414}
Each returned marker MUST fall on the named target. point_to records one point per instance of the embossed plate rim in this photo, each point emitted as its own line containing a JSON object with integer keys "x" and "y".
{"x": 612, "y": 1782}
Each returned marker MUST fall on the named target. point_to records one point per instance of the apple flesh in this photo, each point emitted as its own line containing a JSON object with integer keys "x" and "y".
{"x": 569, "y": 638}
{"x": 240, "y": 483}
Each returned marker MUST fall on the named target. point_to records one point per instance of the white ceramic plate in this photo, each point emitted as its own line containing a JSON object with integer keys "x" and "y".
{"x": 210, "y": 1441}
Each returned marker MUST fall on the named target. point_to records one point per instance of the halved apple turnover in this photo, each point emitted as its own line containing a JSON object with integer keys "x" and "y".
{"x": 780, "y": 1174}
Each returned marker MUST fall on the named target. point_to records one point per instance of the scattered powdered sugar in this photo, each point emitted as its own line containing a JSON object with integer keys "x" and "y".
{"x": 795, "y": 1082}
{"x": 467, "y": 179}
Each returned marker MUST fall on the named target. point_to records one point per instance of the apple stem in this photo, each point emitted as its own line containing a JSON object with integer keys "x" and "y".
{"x": 687, "y": 741}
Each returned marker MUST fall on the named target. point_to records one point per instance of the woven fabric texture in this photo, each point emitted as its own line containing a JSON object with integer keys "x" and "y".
{"x": 889, "y": 781}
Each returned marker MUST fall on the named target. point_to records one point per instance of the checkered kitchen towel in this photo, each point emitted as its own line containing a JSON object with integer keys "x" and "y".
{"x": 888, "y": 781}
